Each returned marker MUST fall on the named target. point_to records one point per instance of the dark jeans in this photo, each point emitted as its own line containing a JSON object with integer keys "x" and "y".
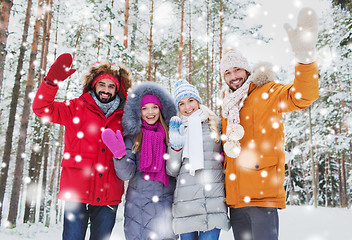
{"x": 207, "y": 235}
{"x": 255, "y": 223}
{"x": 77, "y": 215}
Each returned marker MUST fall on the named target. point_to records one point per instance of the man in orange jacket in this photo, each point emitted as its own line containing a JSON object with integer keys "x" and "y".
{"x": 252, "y": 121}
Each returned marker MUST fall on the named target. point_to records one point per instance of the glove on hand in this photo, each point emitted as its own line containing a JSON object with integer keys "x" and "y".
{"x": 176, "y": 133}
{"x": 60, "y": 70}
{"x": 304, "y": 38}
{"x": 114, "y": 141}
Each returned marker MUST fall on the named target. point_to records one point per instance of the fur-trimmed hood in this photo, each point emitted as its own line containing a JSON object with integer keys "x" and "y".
{"x": 262, "y": 73}
{"x": 118, "y": 70}
{"x": 132, "y": 117}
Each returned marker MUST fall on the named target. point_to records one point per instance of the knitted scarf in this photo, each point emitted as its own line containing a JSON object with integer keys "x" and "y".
{"x": 106, "y": 108}
{"x": 232, "y": 104}
{"x": 193, "y": 148}
{"x": 153, "y": 148}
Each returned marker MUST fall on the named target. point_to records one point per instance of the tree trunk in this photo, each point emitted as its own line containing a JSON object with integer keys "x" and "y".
{"x": 110, "y": 30}
{"x": 134, "y": 26}
{"x": 180, "y": 49}
{"x": 314, "y": 183}
{"x": 45, "y": 139}
{"x": 150, "y": 42}
{"x": 51, "y": 200}
{"x": 326, "y": 178}
{"x": 343, "y": 193}
{"x": 207, "y": 56}
{"x": 125, "y": 29}
{"x": 45, "y": 160}
{"x": 20, "y": 154}
{"x": 190, "y": 44}
{"x": 34, "y": 169}
{"x": 220, "y": 40}
{"x": 333, "y": 194}
{"x": 212, "y": 69}
{"x": 13, "y": 108}
{"x": 5, "y": 9}
{"x": 35, "y": 162}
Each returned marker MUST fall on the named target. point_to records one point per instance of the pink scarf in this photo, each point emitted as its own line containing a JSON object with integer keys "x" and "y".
{"x": 151, "y": 160}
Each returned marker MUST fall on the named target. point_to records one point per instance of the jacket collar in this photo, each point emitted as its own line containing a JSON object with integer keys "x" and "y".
{"x": 94, "y": 107}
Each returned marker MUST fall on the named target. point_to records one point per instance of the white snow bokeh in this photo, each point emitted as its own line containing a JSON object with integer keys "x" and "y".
{"x": 272, "y": 15}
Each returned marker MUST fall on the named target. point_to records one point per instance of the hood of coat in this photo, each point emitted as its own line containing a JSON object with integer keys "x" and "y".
{"x": 132, "y": 117}
{"x": 118, "y": 70}
{"x": 262, "y": 74}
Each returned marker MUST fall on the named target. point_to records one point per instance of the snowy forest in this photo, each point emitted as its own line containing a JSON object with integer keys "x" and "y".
{"x": 163, "y": 41}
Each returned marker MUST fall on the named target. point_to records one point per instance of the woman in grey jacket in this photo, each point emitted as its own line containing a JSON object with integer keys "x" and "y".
{"x": 199, "y": 211}
{"x": 140, "y": 159}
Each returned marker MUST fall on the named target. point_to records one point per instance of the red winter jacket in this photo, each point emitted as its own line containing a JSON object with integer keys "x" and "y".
{"x": 88, "y": 173}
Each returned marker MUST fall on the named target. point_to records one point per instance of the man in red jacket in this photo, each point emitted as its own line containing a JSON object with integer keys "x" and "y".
{"x": 88, "y": 184}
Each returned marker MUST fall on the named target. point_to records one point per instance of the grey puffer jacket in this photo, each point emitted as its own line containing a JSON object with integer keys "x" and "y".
{"x": 199, "y": 200}
{"x": 148, "y": 203}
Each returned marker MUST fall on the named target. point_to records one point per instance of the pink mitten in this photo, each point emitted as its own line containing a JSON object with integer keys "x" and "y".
{"x": 114, "y": 141}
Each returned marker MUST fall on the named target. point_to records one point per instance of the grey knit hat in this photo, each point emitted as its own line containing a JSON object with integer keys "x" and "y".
{"x": 231, "y": 59}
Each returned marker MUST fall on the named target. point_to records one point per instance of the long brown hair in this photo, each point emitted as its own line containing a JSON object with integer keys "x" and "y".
{"x": 139, "y": 136}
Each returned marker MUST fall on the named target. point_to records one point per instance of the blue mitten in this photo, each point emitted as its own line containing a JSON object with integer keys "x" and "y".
{"x": 176, "y": 133}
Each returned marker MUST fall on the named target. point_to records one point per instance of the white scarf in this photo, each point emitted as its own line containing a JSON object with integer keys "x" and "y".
{"x": 193, "y": 148}
{"x": 232, "y": 104}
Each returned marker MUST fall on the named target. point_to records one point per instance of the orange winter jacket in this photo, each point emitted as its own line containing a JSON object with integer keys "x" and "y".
{"x": 256, "y": 176}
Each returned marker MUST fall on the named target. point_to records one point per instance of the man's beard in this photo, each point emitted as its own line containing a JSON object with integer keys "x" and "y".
{"x": 105, "y": 100}
{"x": 237, "y": 79}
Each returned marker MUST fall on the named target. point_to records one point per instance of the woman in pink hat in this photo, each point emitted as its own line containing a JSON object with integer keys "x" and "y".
{"x": 140, "y": 159}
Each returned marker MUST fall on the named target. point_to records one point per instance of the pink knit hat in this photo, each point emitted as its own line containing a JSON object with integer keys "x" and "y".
{"x": 148, "y": 98}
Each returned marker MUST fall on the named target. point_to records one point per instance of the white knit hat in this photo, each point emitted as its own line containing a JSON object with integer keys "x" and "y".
{"x": 231, "y": 59}
{"x": 185, "y": 89}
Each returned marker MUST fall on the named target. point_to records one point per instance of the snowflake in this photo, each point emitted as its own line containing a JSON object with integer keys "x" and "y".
{"x": 232, "y": 177}
{"x": 247, "y": 199}
{"x": 99, "y": 167}
{"x": 264, "y": 174}
{"x": 207, "y": 187}
{"x": 67, "y": 195}
{"x": 80, "y": 134}
{"x": 76, "y": 120}
{"x": 276, "y": 125}
{"x": 166, "y": 156}
{"x": 78, "y": 158}
{"x": 155, "y": 199}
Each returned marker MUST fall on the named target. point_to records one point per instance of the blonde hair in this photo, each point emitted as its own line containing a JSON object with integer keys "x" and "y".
{"x": 139, "y": 136}
{"x": 213, "y": 122}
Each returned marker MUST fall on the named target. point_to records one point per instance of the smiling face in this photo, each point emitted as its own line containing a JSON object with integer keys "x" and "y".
{"x": 150, "y": 113}
{"x": 105, "y": 90}
{"x": 187, "y": 106}
{"x": 235, "y": 77}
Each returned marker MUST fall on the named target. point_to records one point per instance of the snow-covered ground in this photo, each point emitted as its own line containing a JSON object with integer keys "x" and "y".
{"x": 296, "y": 223}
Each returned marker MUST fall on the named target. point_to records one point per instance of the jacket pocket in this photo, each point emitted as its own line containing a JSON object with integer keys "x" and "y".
{"x": 76, "y": 177}
{"x": 115, "y": 185}
{"x": 259, "y": 180}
